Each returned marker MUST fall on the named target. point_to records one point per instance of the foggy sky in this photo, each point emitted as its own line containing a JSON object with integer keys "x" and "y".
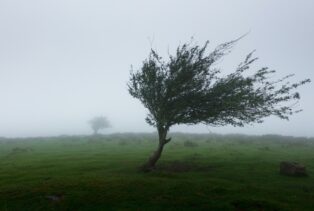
{"x": 63, "y": 62}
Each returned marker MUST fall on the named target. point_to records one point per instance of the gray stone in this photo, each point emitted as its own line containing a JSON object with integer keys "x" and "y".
{"x": 292, "y": 169}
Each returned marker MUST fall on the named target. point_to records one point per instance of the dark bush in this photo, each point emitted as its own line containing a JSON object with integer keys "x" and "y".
{"x": 190, "y": 144}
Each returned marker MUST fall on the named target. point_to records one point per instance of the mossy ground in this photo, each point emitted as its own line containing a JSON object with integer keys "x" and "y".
{"x": 101, "y": 173}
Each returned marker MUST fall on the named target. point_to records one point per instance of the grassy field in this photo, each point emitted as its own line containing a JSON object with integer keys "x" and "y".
{"x": 196, "y": 172}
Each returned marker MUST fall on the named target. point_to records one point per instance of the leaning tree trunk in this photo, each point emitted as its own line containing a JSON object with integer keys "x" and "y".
{"x": 151, "y": 162}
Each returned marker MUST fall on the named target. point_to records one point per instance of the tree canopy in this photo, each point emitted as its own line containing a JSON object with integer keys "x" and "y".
{"x": 188, "y": 88}
{"x": 98, "y": 123}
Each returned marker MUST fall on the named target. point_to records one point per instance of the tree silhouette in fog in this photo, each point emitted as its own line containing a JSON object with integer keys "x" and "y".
{"x": 99, "y": 123}
{"x": 189, "y": 89}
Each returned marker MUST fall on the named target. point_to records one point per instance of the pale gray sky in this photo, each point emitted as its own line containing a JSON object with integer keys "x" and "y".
{"x": 64, "y": 61}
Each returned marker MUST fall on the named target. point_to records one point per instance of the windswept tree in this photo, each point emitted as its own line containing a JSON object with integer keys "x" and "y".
{"x": 99, "y": 123}
{"x": 188, "y": 88}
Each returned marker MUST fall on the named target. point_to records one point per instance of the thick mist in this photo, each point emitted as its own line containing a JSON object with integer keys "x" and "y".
{"x": 64, "y": 62}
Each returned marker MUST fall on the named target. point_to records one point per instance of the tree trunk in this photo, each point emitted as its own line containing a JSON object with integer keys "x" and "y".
{"x": 150, "y": 164}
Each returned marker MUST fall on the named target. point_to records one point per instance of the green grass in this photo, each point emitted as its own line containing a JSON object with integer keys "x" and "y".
{"x": 225, "y": 173}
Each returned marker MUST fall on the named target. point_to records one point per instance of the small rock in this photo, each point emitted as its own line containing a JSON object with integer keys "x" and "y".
{"x": 55, "y": 198}
{"x": 292, "y": 169}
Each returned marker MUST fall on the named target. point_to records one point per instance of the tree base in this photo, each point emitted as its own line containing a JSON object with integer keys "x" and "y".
{"x": 146, "y": 168}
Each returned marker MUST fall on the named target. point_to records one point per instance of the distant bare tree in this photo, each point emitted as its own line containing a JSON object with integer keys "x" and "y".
{"x": 98, "y": 123}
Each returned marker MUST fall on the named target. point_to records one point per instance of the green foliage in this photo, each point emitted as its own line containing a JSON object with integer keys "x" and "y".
{"x": 189, "y": 89}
